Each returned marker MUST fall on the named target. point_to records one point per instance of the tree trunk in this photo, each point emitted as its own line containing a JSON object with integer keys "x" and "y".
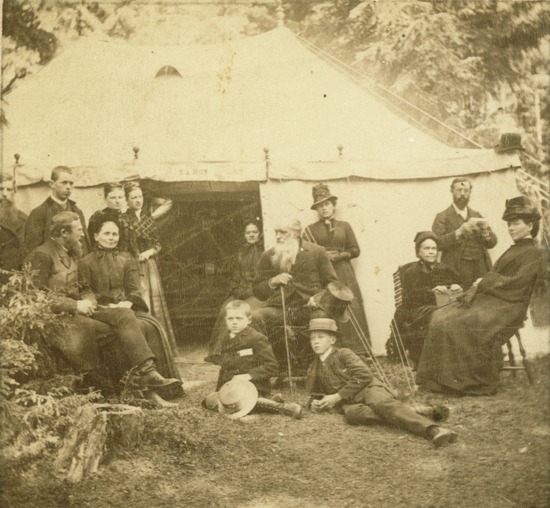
{"x": 98, "y": 427}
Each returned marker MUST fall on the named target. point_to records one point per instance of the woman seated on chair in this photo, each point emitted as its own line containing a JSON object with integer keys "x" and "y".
{"x": 421, "y": 281}
{"x": 113, "y": 276}
{"x": 462, "y": 351}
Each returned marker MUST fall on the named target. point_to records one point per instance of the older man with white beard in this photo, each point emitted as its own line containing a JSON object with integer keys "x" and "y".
{"x": 12, "y": 229}
{"x": 302, "y": 270}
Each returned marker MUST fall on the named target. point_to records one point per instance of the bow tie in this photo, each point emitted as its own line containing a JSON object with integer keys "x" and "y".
{"x": 328, "y": 224}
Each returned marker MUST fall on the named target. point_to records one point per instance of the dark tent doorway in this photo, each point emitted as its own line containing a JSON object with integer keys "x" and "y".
{"x": 200, "y": 237}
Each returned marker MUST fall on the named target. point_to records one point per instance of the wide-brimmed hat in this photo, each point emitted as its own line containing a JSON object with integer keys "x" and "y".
{"x": 335, "y": 300}
{"x": 520, "y": 207}
{"x": 237, "y": 398}
{"x": 421, "y": 236}
{"x": 323, "y": 325}
{"x": 508, "y": 142}
{"x": 321, "y": 193}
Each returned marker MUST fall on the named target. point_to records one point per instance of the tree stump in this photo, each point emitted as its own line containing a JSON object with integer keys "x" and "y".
{"x": 98, "y": 427}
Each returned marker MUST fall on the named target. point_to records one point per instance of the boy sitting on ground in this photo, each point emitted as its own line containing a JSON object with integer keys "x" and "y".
{"x": 246, "y": 355}
{"x": 338, "y": 378}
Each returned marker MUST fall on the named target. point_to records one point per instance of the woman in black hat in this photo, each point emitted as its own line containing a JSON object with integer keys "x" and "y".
{"x": 421, "y": 281}
{"x": 338, "y": 239}
{"x": 462, "y": 352}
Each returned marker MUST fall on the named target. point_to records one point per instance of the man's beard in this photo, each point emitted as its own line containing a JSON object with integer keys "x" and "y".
{"x": 8, "y": 212}
{"x": 461, "y": 202}
{"x": 74, "y": 248}
{"x": 284, "y": 254}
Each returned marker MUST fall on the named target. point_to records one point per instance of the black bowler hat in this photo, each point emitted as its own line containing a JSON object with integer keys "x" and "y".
{"x": 508, "y": 142}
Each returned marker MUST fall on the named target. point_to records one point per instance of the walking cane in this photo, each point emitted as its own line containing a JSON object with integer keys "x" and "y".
{"x": 286, "y": 342}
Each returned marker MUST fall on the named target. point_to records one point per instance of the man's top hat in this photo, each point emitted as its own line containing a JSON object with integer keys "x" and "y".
{"x": 323, "y": 325}
{"x": 237, "y": 398}
{"x": 508, "y": 142}
{"x": 321, "y": 193}
{"x": 334, "y": 300}
{"x": 520, "y": 207}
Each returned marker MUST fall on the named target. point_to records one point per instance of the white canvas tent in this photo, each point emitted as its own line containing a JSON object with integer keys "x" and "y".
{"x": 208, "y": 118}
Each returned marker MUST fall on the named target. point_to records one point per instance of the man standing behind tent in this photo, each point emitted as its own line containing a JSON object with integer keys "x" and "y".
{"x": 12, "y": 226}
{"x": 301, "y": 269}
{"x": 464, "y": 235}
{"x": 37, "y": 230}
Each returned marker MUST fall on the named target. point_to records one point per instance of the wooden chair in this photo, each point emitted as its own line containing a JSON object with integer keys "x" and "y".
{"x": 526, "y": 364}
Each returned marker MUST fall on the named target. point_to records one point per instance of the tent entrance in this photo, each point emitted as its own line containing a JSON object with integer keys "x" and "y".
{"x": 201, "y": 237}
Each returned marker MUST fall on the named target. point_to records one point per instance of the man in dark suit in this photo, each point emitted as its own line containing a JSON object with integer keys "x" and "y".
{"x": 464, "y": 236}
{"x": 55, "y": 269}
{"x": 301, "y": 269}
{"x": 37, "y": 230}
{"x": 12, "y": 227}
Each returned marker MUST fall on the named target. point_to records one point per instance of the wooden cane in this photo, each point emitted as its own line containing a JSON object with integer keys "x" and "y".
{"x": 286, "y": 342}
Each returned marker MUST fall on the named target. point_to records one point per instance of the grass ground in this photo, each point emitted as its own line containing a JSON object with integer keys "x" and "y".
{"x": 193, "y": 458}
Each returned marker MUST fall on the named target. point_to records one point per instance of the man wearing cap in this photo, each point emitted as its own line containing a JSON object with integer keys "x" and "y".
{"x": 339, "y": 379}
{"x": 12, "y": 227}
{"x": 296, "y": 269}
{"x": 462, "y": 350}
{"x": 464, "y": 236}
{"x": 37, "y": 230}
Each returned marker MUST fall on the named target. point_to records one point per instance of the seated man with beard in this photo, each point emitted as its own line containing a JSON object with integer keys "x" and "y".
{"x": 56, "y": 270}
{"x": 12, "y": 228}
{"x": 301, "y": 269}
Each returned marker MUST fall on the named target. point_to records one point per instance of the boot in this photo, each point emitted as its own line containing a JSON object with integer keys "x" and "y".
{"x": 435, "y": 413}
{"x": 150, "y": 377}
{"x": 287, "y": 408}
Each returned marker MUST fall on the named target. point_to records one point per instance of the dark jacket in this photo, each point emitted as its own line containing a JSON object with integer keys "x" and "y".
{"x": 11, "y": 244}
{"x": 249, "y": 352}
{"x": 311, "y": 273}
{"x": 344, "y": 372}
{"x": 340, "y": 239}
{"x": 112, "y": 276}
{"x": 57, "y": 271}
{"x": 245, "y": 272}
{"x": 418, "y": 280}
{"x": 452, "y": 250}
{"x": 37, "y": 229}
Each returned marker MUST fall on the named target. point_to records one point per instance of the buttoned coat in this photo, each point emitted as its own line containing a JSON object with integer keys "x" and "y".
{"x": 37, "y": 229}
{"x": 452, "y": 250}
{"x": 311, "y": 272}
{"x": 347, "y": 374}
{"x": 249, "y": 352}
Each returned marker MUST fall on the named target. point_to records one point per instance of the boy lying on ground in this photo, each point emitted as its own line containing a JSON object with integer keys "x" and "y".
{"x": 339, "y": 379}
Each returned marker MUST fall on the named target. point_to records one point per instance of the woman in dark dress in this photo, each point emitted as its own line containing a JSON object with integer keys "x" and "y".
{"x": 113, "y": 277}
{"x": 338, "y": 239}
{"x": 421, "y": 281}
{"x": 463, "y": 348}
{"x": 114, "y": 201}
{"x": 146, "y": 241}
{"x": 242, "y": 279}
